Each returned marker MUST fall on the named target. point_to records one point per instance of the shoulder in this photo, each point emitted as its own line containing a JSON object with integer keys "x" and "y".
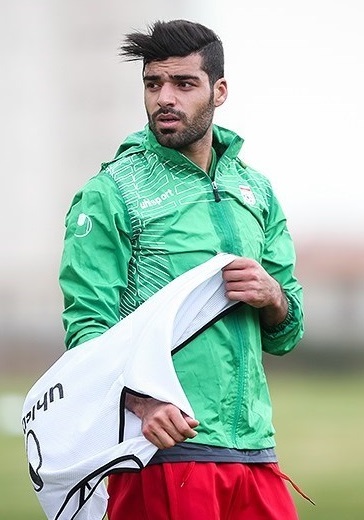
{"x": 252, "y": 173}
{"x": 97, "y": 187}
{"x": 257, "y": 182}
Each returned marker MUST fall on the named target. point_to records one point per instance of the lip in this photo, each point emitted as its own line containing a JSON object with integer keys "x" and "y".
{"x": 167, "y": 121}
{"x": 167, "y": 117}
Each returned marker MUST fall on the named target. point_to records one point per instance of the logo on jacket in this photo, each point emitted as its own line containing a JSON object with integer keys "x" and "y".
{"x": 148, "y": 203}
{"x": 248, "y": 195}
{"x": 35, "y": 460}
{"x": 84, "y": 225}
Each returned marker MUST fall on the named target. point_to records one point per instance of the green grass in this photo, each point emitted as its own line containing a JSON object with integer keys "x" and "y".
{"x": 18, "y": 499}
{"x": 319, "y": 421}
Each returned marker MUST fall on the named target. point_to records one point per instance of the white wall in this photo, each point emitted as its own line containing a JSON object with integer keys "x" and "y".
{"x": 66, "y": 101}
{"x": 295, "y": 73}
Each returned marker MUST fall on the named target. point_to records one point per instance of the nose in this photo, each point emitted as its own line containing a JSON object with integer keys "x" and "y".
{"x": 166, "y": 96}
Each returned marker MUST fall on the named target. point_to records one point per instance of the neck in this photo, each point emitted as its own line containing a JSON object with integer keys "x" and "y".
{"x": 200, "y": 152}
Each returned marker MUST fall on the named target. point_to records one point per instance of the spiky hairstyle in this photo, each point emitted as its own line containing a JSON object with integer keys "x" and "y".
{"x": 176, "y": 38}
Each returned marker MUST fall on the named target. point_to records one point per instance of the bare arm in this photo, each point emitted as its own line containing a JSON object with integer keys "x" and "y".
{"x": 163, "y": 424}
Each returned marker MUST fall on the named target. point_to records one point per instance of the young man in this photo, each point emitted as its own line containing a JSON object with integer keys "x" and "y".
{"x": 175, "y": 195}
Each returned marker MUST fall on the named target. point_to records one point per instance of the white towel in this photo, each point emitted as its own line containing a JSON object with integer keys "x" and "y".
{"x": 77, "y": 430}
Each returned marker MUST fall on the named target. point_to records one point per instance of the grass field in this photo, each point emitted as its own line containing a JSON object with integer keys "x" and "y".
{"x": 319, "y": 421}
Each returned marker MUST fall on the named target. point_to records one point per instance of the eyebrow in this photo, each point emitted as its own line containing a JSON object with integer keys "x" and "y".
{"x": 174, "y": 77}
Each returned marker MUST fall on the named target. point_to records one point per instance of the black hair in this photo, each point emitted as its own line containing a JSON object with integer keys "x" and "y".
{"x": 176, "y": 38}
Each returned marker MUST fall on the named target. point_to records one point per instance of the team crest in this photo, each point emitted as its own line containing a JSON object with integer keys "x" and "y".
{"x": 247, "y": 195}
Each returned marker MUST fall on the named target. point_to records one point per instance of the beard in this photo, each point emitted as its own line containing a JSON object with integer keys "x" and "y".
{"x": 194, "y": 128}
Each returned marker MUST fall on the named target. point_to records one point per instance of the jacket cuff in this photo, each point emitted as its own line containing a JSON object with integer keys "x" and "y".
{"x": 280, "y": 327}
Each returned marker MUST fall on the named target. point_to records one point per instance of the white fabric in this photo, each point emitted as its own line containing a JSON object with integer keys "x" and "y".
{"x": 76, "y": 428}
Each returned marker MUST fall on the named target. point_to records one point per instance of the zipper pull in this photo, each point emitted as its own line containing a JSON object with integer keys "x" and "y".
{"x": 215, "y": 191}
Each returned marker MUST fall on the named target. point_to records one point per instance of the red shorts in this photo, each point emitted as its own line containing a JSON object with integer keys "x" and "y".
{"x": 201, "y": 491}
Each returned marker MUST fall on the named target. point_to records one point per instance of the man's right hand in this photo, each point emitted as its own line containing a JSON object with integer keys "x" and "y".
{"x": 163, "y": 424}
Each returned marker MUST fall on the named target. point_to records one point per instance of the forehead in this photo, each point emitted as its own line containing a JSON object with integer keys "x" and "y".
{"x": 175, "y": 65}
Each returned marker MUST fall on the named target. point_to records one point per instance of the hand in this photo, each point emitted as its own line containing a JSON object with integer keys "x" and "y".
{"x": 163, "y": 424}
{"x": 247, "y": 281}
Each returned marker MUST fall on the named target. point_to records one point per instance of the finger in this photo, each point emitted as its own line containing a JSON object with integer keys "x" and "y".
{"x": 191, "y": 422}
{"x": 239, "y": 263}
{"x": 237, "y": 285}
{"x": 169, "y": 429}
{"x": 236, "y": 296}
{"x": 167, "y": 437}
{"x": 183, "y": 425}
{"x": 161, "y": 439}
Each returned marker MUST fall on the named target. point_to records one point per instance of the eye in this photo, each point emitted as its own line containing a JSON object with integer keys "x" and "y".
{"x": 185, "y": 85}
{"x": 152, "y": 85}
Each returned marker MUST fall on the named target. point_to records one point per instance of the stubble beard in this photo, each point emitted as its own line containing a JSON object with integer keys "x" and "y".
{"x": 194, "y": 129}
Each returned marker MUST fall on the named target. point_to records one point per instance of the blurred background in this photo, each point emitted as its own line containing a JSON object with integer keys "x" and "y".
{"x": 296, "y": 80}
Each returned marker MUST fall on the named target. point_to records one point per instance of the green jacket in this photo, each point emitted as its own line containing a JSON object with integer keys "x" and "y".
{"x": 148, "y": 216}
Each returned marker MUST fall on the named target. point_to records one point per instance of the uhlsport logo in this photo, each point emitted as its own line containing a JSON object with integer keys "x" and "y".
{"x": 84, "y": 225}
{"x": 248, "y": 195}
{"x": 149, "y": 203}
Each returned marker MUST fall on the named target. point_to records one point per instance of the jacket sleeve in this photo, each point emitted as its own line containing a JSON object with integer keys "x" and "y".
{"x": 94, "y": 263}
{"x": 279, "y": 260}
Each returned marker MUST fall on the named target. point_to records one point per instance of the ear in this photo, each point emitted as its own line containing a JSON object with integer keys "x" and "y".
{"x": 220, "y": 92}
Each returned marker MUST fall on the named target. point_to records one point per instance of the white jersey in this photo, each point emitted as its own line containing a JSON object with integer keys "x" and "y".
{"x": 76, "y": 427}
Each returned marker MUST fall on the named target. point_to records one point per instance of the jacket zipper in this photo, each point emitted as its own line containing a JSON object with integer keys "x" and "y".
{"x": 215, "y": 191}
{"x": 229, "y": 235}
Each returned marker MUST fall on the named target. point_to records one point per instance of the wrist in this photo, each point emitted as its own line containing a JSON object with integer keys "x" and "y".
{"x": 276, "y": 312}
{"x": 137, "y": 404}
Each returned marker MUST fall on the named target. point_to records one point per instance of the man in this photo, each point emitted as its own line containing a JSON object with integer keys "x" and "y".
{"x": 175, "y": 195}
